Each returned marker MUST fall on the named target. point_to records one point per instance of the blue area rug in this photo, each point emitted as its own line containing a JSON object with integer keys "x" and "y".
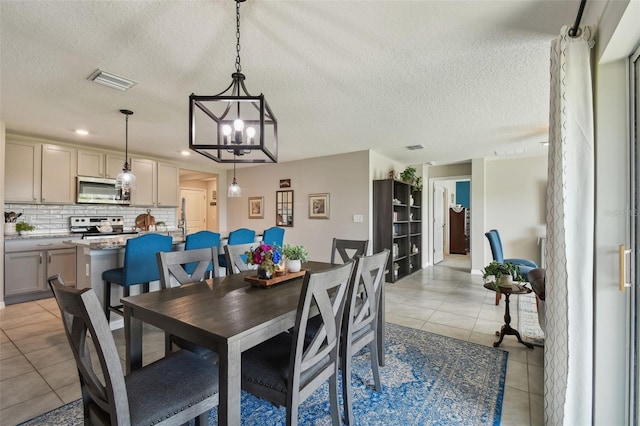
{"x": 428, "y": 379}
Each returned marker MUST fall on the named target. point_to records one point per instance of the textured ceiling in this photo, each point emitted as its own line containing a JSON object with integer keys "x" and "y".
{"x": 463, "y": 78}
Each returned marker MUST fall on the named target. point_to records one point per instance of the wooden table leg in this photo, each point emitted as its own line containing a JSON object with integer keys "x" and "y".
{"x": 230, "y": 371}
{"x": 507, "y": 329}
{"x": 133, "y": 341}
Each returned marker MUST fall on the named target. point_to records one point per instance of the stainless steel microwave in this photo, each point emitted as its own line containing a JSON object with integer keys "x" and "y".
{"x": 93, "y": 190}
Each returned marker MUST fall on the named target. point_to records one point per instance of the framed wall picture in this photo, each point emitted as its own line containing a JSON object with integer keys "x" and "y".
{"x": 318, "y": 206}
{"x": 256, "y": 207}
{"x": 285, "y": 183}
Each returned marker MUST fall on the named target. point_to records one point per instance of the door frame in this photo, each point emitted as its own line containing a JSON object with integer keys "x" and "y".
{"x": 432, "y": 182}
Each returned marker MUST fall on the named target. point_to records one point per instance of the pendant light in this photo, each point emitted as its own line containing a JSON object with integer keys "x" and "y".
{"x": 126, "y": 181}
{"x": 234, "y": 189}
{"x": 233, "y": 125}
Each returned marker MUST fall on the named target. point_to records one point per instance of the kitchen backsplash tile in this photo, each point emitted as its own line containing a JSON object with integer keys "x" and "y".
{"x": 53, "y": 218}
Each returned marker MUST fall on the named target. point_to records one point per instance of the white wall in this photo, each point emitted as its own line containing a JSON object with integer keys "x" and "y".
{"x": 2, "y": 150}
{"x": 515, "y": 194}
{"x": 345, "y": 177}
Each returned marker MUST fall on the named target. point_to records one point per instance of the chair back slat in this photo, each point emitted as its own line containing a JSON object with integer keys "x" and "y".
{"x": 316, "y": 361}
{"x": 365, "y": 293}
{"x": 173, "y": 266}
{"x": 83, "y": 316}
{"x": 348, "y": 249}
{"x": 236, "y": 258}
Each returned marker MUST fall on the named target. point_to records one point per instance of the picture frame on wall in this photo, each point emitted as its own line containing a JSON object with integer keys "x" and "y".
{"x": 285, "y": 183}
{"x": 256, "y": 207}
{"x": 319, "y": 206}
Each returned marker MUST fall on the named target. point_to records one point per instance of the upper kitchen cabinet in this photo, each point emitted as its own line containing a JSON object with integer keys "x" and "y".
{"x": 23, "y": 168}
{"x": 40, "y": 173}
{"x": 113, "y": 165}
{"x": 168, "y": 185}
{"x": 59, "y": 170}
{"x": 99, "y": 164}
{"x": 91, "y": 163}
{"x": 145, "y": 171}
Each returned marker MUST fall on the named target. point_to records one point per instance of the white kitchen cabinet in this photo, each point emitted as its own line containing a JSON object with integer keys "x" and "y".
{"x": 113, "y": 165}
{"x": 59, "y": 170}
{"x": 168, "y": 185}
{"x": 145, "y": 171}
{"x": 28, "y": 263}
{"x": 23, "y": 168}
{"x": 91, "y": 163}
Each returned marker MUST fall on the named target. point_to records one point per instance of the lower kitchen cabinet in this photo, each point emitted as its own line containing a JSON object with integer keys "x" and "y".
{"x": 27, "y": 266}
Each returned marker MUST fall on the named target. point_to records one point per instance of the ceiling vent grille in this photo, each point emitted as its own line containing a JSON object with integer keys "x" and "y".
{"x": 111, "y": 80}
{"x": 414, "y": 147}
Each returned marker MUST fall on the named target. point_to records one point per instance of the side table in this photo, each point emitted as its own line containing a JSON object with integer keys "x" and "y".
{"x": 506, "y": 328}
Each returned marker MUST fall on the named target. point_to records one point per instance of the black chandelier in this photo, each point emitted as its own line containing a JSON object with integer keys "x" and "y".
{"x": 233, "y": 126}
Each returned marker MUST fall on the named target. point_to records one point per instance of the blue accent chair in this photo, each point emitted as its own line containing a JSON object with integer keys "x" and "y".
{"x": 273, "y": 236}
{"x": 239, "y": 236}
{"x": 524, "y": 265}
{"x": 200, "y": 240}
{"x": 140, "y": 267}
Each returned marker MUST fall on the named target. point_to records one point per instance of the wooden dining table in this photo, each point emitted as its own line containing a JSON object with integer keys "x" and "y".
{"x": 224, "y": 314}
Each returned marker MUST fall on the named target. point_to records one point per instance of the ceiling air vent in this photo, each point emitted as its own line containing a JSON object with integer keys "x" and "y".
{"x": 111, "y": 80}
{"x": 414, "y": 147}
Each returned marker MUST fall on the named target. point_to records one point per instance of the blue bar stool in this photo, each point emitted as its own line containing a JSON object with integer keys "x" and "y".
{"x": 239, "y": 236}
{"x": 140, "y": 267}
{"x": 200, "y": 240}
{"x": 273, "y": 236}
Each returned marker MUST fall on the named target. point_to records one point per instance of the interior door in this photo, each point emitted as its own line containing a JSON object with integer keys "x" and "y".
{"x": 195, "y": 208}
{"x": 634, "y": 239}
{"x": 438, "y": 223}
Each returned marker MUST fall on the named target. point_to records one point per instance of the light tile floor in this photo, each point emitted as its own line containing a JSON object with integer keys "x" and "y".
{"x": 38, "y": 373}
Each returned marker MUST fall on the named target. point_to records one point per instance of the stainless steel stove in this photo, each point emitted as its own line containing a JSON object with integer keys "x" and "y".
{"x": 88, "y": 226}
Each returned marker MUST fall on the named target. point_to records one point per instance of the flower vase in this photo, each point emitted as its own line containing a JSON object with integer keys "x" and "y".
{"x": 264, "y": 274}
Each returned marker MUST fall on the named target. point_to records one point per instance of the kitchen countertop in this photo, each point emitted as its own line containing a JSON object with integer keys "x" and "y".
{"x": 35, "y": 236}
{"x": 110, "y": 243}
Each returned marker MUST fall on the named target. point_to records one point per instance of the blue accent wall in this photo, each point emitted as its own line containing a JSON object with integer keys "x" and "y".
{"x": 463, "y": 193}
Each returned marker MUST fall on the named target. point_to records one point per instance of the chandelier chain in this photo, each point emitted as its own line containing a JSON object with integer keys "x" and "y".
{"x": 238, "y": 66}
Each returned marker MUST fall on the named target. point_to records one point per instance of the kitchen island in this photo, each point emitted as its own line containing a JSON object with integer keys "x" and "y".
{"x": 94, "y": 256}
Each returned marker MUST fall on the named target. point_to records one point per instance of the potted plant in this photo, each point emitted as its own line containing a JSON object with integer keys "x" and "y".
{"x": 295, "y": 256}
{"x": 409, "y": 174}
{"x": 503, "y": 273}
{"x": 23, "y": 227}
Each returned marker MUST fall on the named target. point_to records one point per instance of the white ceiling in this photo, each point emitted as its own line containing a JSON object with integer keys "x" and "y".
{"x": 463, "y": 78}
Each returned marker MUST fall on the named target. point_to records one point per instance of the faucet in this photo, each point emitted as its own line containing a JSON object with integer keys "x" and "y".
{"x": 183, "y": 219}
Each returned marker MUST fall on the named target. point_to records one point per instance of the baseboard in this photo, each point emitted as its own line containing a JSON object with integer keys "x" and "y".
{"x": 476, "y": 272}
{"x": 2, "y": 306}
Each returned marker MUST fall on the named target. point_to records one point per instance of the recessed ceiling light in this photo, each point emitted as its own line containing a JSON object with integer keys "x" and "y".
{"x": 431, "y": 163}
{"x": 82, "y": 132}
{"x": 185, "y": 153}
{"x": 111, "y": 80}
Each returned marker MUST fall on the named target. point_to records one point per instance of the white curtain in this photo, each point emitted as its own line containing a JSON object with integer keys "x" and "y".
{"x": 568, "y": 356}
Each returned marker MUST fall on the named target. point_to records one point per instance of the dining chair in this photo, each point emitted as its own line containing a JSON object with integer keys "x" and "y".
{"x": 140, "y": 267}
{"x": 239, "y": 236}
{"x": 354, "y": 247}
{"x": 273, "y": 236}
{"x": 360, "y": 322}
{"x": 173, "y": 273}
{"x": 523, "y": 265}
{"x": 285, "y": 370}
{"x": 200, "y": 240}
{"x": 236, "y": 258}
{"x": 170, "y": 391}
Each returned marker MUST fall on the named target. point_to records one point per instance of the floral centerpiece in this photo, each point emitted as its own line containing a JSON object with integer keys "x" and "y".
{"x": 266, "y": 257}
